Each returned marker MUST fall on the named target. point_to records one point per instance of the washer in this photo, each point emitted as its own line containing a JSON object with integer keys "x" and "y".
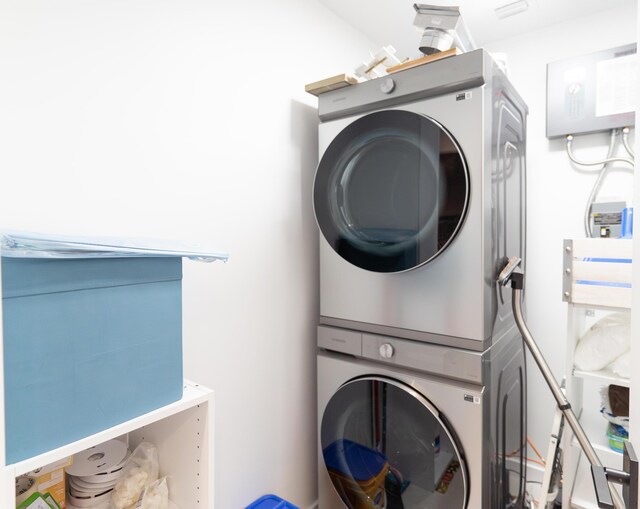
{"x": 419, "y": 196}
{"x": 397, "y": 432}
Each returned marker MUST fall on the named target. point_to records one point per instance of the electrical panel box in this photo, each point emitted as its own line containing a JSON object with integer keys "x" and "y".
{"x": 606, "y": 219}
{"x": 593, "y": 92}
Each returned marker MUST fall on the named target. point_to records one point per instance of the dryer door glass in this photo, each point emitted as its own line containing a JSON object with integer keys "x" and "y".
{"x": 385, "y": 446}
{"x": 391, "y": 191}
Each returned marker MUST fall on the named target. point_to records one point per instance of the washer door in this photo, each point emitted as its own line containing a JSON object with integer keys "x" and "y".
{"x": 386, "y": 447}
{"x": 391, "y": 191}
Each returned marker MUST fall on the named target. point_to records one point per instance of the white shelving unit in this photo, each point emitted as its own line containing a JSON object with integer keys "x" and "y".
{"x": 182, "y": 432}
{"x": 597, "y": 277}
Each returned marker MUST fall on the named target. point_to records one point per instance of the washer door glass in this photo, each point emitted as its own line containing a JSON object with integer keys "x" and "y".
{"x": 385, "y": 446}
{"x": 391, "y": 191}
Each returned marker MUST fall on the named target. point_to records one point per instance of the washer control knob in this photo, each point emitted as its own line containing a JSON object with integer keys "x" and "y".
{"x": 386, "y": 351}
{"x": 387, "y": 85}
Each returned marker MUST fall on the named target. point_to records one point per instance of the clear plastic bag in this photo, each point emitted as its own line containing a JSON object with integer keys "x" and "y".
{"x": 140, "y": 472}
{"x": 607, "y": 413}
{"x": 604, "y": 342}
{"x": 156, "y": 496}
{"x": 622, "y": 365}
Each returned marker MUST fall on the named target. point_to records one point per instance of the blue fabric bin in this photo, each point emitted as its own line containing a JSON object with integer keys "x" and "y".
{"x": 271, "y": 502}
{"x": 88, "y": 344}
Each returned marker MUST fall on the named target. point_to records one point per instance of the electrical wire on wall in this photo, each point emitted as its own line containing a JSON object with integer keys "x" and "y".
{"x": 604, "y": 166}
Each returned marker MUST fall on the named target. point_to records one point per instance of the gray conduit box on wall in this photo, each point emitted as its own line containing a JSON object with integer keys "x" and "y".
{"x": 594, "y": 92}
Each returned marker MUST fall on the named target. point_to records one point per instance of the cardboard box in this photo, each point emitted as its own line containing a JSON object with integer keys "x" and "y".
{"x": 51, "y": 479}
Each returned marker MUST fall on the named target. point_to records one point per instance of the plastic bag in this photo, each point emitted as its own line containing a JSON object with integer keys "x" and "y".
{"x": 156, "y": 496}
{"x": 607, "y": 412}
{"x": 604, "y": 342}
{"x": 622, "y": 365}
{"x": 140, "y": 471}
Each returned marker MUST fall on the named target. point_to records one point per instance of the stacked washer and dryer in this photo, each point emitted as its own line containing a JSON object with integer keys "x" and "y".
{"x": 420, "y": 198}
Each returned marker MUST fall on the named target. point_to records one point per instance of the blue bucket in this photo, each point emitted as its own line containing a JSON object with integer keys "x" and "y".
{"x": 271, "y": 502}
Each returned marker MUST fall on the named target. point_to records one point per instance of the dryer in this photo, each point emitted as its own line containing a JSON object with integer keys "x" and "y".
{"x": 419, "y": 196}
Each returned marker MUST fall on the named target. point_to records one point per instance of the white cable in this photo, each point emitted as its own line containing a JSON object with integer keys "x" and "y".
{"x": 625, "y": 142}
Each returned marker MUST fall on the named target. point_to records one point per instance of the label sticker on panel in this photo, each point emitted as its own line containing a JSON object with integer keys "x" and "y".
{"x": 472, "y": 399}
{"x": 463, "y": 96}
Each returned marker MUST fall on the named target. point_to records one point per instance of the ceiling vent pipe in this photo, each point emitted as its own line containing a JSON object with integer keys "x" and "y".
{"x": 442, "y": 29}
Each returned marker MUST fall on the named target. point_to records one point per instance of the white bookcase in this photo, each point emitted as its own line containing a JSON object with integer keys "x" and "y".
{"x": 605, "y": 264}
{"x": 182, "y": 431}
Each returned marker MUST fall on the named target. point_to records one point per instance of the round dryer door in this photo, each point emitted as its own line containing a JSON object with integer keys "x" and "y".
{"x": 385, "y": 446}
{"x": 391, "y": 191}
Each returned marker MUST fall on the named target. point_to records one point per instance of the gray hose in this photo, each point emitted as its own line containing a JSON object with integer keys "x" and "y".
{"x": 625, "y": 142}
{"x": 609, "y": 159}
{"x": 596, "y": 186}
{"x": 602, "y": 173}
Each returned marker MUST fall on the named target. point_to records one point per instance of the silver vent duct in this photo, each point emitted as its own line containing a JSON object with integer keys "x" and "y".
{"x": 442, "y": 29}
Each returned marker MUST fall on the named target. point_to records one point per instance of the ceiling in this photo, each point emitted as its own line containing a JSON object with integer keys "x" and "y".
{"x": 391, "y": 21}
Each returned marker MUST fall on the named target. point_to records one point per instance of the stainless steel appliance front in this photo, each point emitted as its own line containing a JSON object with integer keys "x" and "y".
{"x": 398, "y": 430}
{"x": 418, "y": 202}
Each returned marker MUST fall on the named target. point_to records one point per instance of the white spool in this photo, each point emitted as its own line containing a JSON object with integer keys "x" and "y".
{"x": 113, "y": 473}
{"x": 80, "y": 502}
{"x": 89, "y": 488}
{"x": 98, "y": 459}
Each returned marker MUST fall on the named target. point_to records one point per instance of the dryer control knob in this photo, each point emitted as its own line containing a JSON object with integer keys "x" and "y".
{"x": 386, "y": 351}
{"x": 387, "y": 85}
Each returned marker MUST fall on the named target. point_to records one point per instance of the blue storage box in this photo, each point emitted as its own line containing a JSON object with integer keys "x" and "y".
{"x": 271, "y": 502}
{"x": 87, "y": 344}
{"x": 90, "y": 341}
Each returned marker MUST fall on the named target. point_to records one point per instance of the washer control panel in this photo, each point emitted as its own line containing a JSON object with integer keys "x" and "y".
{"x": 340, "y": 340}
{"x": 436, "y": 359}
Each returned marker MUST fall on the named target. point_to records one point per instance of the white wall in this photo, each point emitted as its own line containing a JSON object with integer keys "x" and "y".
{"x": 634, "y": 407}
{"x": 557, "y": 191}
{"x": 187, "y": 119}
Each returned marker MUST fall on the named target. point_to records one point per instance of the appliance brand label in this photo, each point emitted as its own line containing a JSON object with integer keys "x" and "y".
{"x": 463, "y": 96}
{"x": 472, "y": 399}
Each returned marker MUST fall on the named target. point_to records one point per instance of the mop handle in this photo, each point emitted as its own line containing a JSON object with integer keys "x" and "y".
{"x": 517, "y": 284}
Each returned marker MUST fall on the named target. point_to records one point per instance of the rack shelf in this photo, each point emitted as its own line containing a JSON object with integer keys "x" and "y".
{"x": 606, "y": 376}
{"x": 182, "y": 433}
{"x": 597, "y": 277}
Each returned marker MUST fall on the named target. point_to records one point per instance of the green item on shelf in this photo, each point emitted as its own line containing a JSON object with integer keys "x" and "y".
{"x": 35, "y": 501}
{"x": 48, "y": 498}
{"x": 616, "y": 439}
